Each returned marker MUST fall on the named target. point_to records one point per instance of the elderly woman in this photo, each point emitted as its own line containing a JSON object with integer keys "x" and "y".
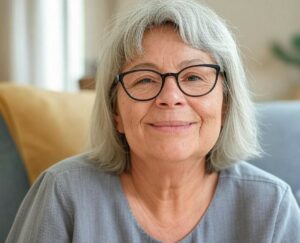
{"x": 171, "y": 125}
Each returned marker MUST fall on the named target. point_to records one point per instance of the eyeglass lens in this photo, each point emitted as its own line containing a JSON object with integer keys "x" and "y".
{"x": 192, "y": 81}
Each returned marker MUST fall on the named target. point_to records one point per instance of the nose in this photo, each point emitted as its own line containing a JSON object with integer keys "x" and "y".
{"x": 170, "y": 95}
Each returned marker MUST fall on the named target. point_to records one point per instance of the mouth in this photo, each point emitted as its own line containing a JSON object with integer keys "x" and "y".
{"x": 172, "y": 126}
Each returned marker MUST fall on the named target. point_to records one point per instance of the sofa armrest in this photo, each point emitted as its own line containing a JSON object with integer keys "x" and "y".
{"x": 13, "y": 180}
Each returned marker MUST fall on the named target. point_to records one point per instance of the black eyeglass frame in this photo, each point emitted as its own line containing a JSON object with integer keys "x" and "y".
{"x": 119, "y": 78}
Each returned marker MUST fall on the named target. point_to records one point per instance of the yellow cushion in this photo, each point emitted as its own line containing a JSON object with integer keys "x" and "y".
{"x": 46, "y": 126}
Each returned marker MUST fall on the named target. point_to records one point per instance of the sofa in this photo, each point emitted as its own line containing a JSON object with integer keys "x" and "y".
{"x": 39, "y": 128}
{"x": 279, "y": 124}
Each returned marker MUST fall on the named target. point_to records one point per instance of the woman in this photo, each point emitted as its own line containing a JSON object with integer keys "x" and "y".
{"x": 171, "y": 125}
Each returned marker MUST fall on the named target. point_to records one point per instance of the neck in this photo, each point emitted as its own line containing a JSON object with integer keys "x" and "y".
{"x": 165, "y": 189}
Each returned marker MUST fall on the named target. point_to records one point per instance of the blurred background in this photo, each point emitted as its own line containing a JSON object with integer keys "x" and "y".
{"x": 54, "y": 43}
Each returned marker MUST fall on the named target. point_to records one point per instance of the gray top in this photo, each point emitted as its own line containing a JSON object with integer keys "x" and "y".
{"x": 75, "y": 202}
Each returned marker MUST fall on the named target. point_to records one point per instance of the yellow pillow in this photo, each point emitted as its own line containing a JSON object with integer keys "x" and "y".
{"x": 46, "y": 126}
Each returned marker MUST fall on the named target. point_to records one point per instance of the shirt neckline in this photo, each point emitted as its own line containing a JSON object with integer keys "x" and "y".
{"x": 189, "y": 235}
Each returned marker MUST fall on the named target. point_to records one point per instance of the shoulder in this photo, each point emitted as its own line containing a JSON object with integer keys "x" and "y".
{"x": 59, "y": 197}
{"x": 253, "y": 195}
{"x": 266, "y": 198}
{"x": 244, "y": 172}
{"x": 76, "y": 182}
{"x": 77, "y": 174}
{"x": 249, "y": 184}
{"x": 78, "y": 164}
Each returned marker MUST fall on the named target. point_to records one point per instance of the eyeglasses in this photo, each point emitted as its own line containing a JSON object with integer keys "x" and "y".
{"x": 146, "y": 84}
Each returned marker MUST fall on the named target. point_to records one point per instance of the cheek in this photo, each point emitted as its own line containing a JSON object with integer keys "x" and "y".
{"x": 130, "y": 115}
{"x": 210, "y": 111}
{"x": 214, "y": 104}
{"x": 211, "y": 121}
{"x": 121, "y": 111}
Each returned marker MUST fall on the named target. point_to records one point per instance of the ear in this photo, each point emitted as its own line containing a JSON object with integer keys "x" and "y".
{"x": 118, "y": 122}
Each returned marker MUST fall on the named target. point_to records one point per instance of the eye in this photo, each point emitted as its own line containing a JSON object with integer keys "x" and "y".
{"x": 145, "y": 81}
{"x": 141, "y": 78}
{"x": 193, "y": 78}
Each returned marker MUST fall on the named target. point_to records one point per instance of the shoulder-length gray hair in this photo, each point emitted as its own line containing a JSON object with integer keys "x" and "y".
{"x": 200, "y": 28}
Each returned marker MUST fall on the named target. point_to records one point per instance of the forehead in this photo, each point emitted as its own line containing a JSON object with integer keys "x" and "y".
{"x": 163, "y": 45}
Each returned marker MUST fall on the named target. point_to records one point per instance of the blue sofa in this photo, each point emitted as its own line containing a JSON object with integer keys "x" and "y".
{"x": 280, "y": 138}
{"x": 279, "y": 124}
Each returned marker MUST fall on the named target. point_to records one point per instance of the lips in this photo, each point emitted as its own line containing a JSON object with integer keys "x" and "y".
{"x": 172, "y": 126}
{"x": 171, "y": 123}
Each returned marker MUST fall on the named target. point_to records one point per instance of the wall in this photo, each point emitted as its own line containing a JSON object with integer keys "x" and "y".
{"x": 256, "y": 24}
{"x": 97, "y": 16}
{"x": 5, "y": 41}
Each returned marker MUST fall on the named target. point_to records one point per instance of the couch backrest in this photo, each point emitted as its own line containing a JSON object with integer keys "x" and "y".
{"x": 279, "y": 124}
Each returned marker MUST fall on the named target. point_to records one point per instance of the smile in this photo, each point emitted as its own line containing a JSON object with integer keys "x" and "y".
{"x": 172, "y": 126}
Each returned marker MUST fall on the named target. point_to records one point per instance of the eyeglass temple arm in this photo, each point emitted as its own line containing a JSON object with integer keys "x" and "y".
{"x": 224, "y": 74}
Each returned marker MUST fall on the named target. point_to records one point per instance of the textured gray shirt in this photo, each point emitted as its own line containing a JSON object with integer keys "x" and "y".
{"x": 75, "y": 202}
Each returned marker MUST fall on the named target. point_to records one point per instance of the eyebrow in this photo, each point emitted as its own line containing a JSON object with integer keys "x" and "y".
{"x": 144, "y": 65}
{"x": 190, "y": 62}
{"x": 183, "y": 64}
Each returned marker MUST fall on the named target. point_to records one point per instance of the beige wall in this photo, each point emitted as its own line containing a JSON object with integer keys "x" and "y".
{"x": 256, "y": 24}
{"x": 5, "y": 40}
{"x": 97, "y": 16}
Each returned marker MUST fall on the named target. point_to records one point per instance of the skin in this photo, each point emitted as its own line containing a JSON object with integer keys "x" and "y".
{"x": 167, "y": 188}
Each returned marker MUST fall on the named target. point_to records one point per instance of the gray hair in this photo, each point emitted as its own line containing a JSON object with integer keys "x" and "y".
{"x": 200, "y": 28}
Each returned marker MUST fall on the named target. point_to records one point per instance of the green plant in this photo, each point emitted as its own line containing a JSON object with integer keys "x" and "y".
{"x": 291, "y": 56}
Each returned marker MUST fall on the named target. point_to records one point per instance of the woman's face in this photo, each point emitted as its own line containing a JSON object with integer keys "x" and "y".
{"x": 173, "y": 127}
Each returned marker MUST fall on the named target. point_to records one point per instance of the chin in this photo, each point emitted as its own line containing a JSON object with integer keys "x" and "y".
{"x": 176, "y": 154}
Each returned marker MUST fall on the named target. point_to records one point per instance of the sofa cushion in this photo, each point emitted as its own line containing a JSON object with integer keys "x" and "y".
{"x": 46, "y": 126}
